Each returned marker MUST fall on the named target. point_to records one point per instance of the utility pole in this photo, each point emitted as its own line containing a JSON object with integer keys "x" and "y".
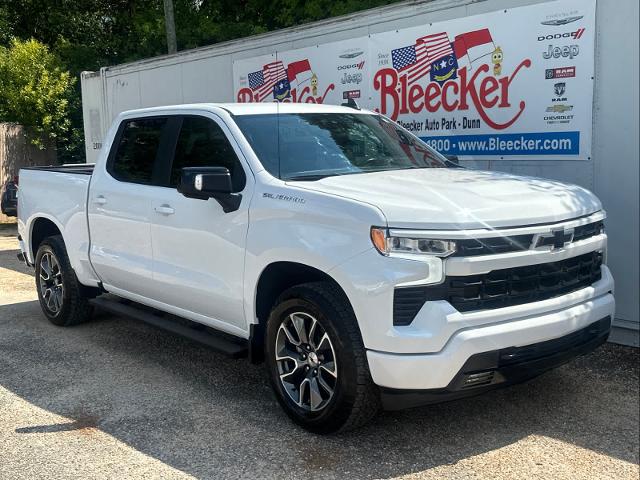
{"x": 170, "y": 24}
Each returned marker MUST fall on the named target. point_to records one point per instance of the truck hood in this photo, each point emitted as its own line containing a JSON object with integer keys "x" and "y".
{"x": 443, "y": 198}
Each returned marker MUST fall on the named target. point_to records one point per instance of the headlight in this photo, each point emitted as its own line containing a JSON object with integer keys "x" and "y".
{"x": 387, "y": 244}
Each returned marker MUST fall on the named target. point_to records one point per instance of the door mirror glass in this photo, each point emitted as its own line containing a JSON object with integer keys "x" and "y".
{"x": 453, "y": 159}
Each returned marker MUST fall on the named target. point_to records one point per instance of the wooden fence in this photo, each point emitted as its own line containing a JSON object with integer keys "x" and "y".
{"x": 16, "y": 152}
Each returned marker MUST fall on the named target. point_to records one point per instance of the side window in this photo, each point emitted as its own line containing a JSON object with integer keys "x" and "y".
{"x": 137, "y": 150}
{"x": 202, "y": 143}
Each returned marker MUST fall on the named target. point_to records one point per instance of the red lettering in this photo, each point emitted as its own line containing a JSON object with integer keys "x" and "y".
{"x": 449, "y": 107}
{"x": 396, "y": 98}
{"x": 327, "y": 90}
{"x": 487, "y": 87}
{"x": 386, "y": 80}
{"x": 403, "y": 95}
{"x": 468, "y": 86}
{"x": 506, "y": 81}
{"x": 245, "y": 95}
{"x": 431, "y": 93}
{"x": 415, "y": 94}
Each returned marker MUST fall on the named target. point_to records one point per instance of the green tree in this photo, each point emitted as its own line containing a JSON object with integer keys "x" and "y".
{"x": 89, "y": 34}
{"x": 35, "y": 90}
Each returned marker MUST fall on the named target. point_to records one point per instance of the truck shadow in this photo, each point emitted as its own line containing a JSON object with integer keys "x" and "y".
{"x": 212, "y": 417}
{"x": 8, "y": 230}
{"x": 9, "y": 260}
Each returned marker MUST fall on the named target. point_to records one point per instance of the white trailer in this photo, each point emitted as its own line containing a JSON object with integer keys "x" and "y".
{"x": 611, "y": 170}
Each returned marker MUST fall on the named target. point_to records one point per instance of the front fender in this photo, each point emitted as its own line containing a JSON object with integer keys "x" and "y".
{"x": 294, "y": 225}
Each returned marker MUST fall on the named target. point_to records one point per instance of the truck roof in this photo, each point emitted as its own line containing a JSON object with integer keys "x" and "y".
{"x": 252, "y": 108}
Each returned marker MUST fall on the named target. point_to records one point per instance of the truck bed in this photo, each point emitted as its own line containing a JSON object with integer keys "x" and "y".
{"x": 57, "y": 196}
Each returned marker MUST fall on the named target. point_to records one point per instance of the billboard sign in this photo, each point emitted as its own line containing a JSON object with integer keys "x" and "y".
{"x": 328, "y": 73}
{"x": 511, "y": 84}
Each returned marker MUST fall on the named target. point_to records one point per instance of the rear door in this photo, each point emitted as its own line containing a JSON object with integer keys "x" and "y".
{"x": 119, "y": 206}
{"x": 198, "y": 249}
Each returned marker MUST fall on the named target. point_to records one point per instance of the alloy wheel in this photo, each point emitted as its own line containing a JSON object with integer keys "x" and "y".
{"x": 306, "y": 361}
{"x": 50, "y": 283}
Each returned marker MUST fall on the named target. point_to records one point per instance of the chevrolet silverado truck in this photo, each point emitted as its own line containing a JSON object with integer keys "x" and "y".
{"x": 363, "y": 268}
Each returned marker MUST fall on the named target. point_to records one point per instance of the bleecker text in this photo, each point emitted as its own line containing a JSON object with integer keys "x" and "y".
{"x": 483, "y": 91}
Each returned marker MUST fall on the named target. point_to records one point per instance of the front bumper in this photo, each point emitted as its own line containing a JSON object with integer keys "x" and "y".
{"x": 437, "y": 370}
{"x": 502, "y": 367}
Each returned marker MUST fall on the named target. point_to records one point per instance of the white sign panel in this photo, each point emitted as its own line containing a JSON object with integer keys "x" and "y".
{"x": 327, "y": 73}
{"x": 511, "y": 84}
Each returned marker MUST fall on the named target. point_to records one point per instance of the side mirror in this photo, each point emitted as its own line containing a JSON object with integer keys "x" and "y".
{"x": 453, "y": 161}
{"x": 209, "y": 182}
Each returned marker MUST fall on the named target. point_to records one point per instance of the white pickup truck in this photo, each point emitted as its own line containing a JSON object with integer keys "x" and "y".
{"x": 363, "y": 268}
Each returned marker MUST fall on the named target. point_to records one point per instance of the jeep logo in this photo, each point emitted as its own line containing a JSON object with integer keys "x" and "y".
{"x": 568, "y": 51}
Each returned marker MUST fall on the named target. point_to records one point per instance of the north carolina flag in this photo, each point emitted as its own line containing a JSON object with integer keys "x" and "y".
{"x": 299, "y": 71}
{"x": 474, "y": 45}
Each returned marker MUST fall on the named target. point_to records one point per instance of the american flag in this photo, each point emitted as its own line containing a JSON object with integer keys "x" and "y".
{"x": 416, "y": 59}
{"x": 262, "y": 81}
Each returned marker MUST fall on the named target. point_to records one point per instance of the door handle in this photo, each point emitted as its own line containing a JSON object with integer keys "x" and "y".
{"x": 164, "y": 210}
{"x": 100, "y": 200}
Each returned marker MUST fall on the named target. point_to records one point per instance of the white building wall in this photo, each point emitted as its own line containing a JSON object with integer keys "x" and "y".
{"x": 205, "y": 75}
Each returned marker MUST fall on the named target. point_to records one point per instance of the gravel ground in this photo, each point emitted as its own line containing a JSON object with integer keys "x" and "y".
{"x": 115, "y": 399}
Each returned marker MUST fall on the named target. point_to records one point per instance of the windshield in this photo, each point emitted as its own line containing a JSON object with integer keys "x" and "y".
{"x": 309, "y": 146}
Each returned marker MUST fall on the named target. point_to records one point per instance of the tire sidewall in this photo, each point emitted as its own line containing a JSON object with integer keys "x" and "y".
{"x": 337, "y": 412}
{"x": 50, "y": 246}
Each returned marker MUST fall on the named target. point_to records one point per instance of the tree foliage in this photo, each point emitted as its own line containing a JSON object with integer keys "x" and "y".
{"x": 35, "y": 90}
{"x": 89, "y": 34}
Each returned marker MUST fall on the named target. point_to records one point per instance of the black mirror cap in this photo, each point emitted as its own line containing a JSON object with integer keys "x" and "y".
{"x": 205, "y": 182}
{"x": 452, "y": 158}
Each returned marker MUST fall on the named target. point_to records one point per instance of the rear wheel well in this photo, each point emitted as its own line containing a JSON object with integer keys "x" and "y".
{"x": 273, "y": 281}
{"x": 42, "y": 228}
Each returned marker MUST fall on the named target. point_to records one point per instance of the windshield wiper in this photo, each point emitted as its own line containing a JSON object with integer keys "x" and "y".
{"x": 308, "y": 178}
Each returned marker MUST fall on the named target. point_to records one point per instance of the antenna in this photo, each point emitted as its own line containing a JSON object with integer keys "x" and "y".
{"x": 351, "y": 103}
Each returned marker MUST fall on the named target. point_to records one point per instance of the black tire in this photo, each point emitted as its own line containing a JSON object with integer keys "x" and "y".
{"x": 75, "y": 307}
{"x": 355, "y": 399}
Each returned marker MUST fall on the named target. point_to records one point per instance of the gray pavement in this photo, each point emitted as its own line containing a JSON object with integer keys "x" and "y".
{"x": 117, "y": 399}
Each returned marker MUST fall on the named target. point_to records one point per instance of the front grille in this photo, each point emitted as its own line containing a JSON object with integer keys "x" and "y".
{"x": 501, "y": 288}
{"x": 587, "y": 231}
{"x": 490, "y": 246}
{"x": 407, "y": 302}
{"x": 470, "y": 247}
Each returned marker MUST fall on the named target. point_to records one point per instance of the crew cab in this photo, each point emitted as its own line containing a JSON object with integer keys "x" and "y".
{"x": 363, "y": 268}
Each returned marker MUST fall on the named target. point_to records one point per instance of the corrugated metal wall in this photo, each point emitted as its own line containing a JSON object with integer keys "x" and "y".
{"x": 205, "y": 75}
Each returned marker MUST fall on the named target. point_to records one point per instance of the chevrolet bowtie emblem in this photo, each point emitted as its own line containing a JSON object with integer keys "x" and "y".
{"x": 558, "y": 238}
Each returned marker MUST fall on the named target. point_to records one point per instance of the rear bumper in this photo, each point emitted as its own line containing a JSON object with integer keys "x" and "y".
{"x": 438, "y": 370}
{"x": 505, "y": 366}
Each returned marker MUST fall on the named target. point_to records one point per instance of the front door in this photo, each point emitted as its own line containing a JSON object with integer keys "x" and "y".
{"x": 198, "y": 249}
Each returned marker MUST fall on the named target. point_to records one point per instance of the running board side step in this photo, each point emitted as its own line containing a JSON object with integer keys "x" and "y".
{"x": 218, "y": 341}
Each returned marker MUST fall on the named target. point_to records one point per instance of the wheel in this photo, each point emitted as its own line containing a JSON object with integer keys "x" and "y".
{"x": 316, "y": 360}
{"x": 63, "y": 300}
